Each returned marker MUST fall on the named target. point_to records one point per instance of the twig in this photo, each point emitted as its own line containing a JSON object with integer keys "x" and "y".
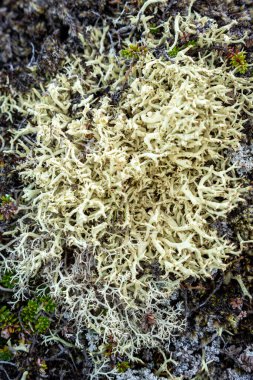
{"x": 231, "y": 357}
{"x": 8, "y": 290}
{"x": 208, "y": 298}
{"x": 34, "y": 338}
{"x": 20, "y": 319}
{"x": 187, "y": 311}
{"x": 32, "y": 60}
{"x": 62, "y": 351}
{"x": 136, "y": 26}
{"x": 8, "y": 363}
{"x": 60, "y": 360}
{"x": 6, "y": 374}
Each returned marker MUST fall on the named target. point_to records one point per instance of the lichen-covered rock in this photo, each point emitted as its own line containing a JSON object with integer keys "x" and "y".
{"x": 243, "y": 158}
{"x": 143, "y": 374}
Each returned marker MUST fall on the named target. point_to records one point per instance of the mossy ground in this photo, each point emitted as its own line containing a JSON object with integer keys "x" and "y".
{"x": 54, "y": 29}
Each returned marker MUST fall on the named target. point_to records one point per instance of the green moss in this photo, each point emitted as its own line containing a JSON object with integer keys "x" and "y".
{"x": 5, "y": 199}
{"x": 6, "y": 354}
{"x": 173, "y": 52}
{"x": 29, "y": 312}
{"x": 238, "y": 60}
{"x": 154, "y": 29}
{"x": 122, "y": 366}
{"x": 7, "y": 280}
{"x": 192, "y": 43}
{"x": 133, "y": 51}
{"x": 42, "y": 324}
{"x": 47, "y": 304}
{"x": 32, "y": 314}
{"x": 176, "y": 49}
{"x": 7, "y": 318}
{"x": 8, "y": 207}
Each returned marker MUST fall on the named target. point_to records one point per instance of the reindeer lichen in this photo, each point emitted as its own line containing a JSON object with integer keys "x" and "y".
{"x": 111, "y": 190}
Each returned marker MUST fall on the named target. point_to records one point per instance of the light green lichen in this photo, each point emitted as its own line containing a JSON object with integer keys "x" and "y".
{"x": 123, "y": 187}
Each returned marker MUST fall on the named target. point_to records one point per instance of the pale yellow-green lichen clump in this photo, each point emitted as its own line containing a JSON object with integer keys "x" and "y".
{"x": 112, "y": 190}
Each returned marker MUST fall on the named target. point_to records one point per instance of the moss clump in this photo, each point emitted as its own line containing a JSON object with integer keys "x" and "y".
{"x": 238, "y": 60}
{"x": 32, "y": 314}
{"x": 7, "y": 319}
{"x": 154, "y": 29}
{"x": 123, "y": 187}
{"x": 122, "y": 366}
{"x": 133, "y": 51}
{"x": 5, "y": 354}
{"x": 7, "y": 280}
{"x": 173, "y": 52}
{"x": 8, "y": 208}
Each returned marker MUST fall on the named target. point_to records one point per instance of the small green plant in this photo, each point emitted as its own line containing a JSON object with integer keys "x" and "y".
{"x": 8, "y": 208}
{"x": 173, "y": 52}
{"x": 42, "y": 324}
{"x": 108, "y": 349}
{"x": 238, "y": 60}
{"x": 190, "y": 43}
{"x": 7, "y": 280}
{"x": 47, "y": 304}
{"x": 133, "y": 51}
{"x": 42, "y": 366}
{"x": 7, "y": 318}
{"x": 176, "y": 49}
{"x": 153, "y": 29}
{"x": 122, "y": 366}
{"x": 32, "y": 316}
{"x": 9, "y": 323}
{"x": 30, "y": 312}
{"x": 5, "y": 354}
